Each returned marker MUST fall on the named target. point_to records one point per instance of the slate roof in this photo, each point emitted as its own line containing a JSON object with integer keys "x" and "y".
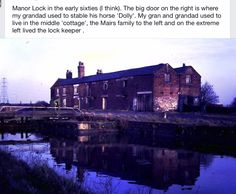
{"x": 181, "y": 70}
{"x": 118, "y": 74}
{"x": 113, "y": 75}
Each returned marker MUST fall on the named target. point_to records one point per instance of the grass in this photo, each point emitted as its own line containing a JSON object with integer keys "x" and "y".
{"x": 198, "y": 119}
{"x": 16, "y": 177}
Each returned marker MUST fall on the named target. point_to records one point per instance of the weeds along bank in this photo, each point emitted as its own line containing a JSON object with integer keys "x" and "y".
{"x": 18, "y": 177}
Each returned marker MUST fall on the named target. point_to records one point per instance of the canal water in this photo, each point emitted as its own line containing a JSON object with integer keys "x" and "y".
{"x": 110, "y": 163}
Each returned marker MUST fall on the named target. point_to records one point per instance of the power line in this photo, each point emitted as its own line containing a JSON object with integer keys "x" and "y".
{"x": 4, "y": 95}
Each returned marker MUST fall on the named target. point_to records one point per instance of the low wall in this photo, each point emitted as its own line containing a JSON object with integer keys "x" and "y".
{"x": 164, "y": 132}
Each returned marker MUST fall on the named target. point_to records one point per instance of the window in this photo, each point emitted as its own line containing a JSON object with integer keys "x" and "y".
{"x": 64, "y": 90}
{"x": 124, "y": 83}
{"x": 105, "y": 86}
{"x": 86, "y": 100}
{"x": 87, "y": 89}
{"x": 188, "y": 79}
{"x": 57, "y": 92}
{"x": 76, "y": 89}
{"x": 167, "y": 77}
{"x": 196, "y": 101}
{"x": 64, "y": 102}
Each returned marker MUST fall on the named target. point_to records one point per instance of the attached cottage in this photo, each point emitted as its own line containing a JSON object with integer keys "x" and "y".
{"x": 152, "y": 88}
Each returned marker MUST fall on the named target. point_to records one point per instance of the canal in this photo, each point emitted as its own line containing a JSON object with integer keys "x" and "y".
{"x": 113, "y": 163}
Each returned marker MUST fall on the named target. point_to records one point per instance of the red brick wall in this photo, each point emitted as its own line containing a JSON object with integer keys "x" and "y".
{"x": 118, "y": 97}
{"x": 165, "y": 94}
{"x": 193, "y": 88}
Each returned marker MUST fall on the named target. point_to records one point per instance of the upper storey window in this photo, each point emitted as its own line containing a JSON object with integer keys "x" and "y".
{"x": 57, "y": 92}
{"x": 188, "y": 79}
{"x": 64, "y": 91}
{"x": 76, "y": 89}
{"x": 167, "y": 77}
{"x": 125, "y": 83}
{"x": 105, "y": 86}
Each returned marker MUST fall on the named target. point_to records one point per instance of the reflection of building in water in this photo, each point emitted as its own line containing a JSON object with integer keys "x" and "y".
{"x": 158, "y": 167}
{"x": 176, "y": 167}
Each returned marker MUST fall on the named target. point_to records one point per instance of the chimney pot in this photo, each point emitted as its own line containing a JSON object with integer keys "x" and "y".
{"x": 81, "y": 70}
{"x": 99, "y": 71}
{"x": 68, "y": 74}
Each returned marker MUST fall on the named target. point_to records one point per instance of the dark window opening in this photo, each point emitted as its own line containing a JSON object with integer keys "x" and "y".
{"x": 105, "y": 86}
{"x": 125, "y": 82}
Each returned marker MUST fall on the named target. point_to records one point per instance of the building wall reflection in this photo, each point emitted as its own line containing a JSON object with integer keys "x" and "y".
{"x": 152, "y": 166}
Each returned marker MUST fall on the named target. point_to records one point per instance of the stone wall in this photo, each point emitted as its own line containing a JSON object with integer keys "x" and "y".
{"x": 165, "y": 103}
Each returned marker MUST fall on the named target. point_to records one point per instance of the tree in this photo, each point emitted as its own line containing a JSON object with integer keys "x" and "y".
{"x": 233, "y": 104}
{"x": 208, "y": 95}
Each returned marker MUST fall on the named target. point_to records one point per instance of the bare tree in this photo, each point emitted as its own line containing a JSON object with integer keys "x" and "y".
{"x": 208, "y": 95}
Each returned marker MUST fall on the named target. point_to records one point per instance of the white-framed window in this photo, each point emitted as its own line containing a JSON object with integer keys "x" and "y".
{"x": 76, "y": 89}
{"x": 105, "y": 86}
{"x": 64, "y": 91}
{"x": 167, "y": 77}
{"x": 188, "y": 79}
{"x": 57, "y": 92}
{"x": 64, "y": 102}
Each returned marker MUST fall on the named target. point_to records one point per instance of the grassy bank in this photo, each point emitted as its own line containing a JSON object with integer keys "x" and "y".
{"x": 196, "y": 119}
{"x": 16, "y": 177}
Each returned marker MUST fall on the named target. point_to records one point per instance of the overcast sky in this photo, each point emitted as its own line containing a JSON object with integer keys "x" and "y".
{"x": 32, "y": 66}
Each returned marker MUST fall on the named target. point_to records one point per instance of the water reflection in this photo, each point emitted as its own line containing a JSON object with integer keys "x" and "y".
{"x": 109, "y": 163}
{"x": 152, "y": 166}
{"x": 23, "y": 136}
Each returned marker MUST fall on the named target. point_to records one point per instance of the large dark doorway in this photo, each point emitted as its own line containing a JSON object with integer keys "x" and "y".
{"x": 144, "y": 102}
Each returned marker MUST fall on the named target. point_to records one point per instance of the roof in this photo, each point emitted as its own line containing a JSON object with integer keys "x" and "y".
{"x": 182, "y": 70}
{"x": 113, "y": 75}
{"x": 118, "y": 74}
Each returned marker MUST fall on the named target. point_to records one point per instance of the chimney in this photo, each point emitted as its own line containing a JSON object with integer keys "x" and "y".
{"x": 99, "y": 71}
{"x": 183, "y": 64}
{"x": 68, "y": 74}
{"x": 167, "y": 67}
{"x": 81, "y": 70}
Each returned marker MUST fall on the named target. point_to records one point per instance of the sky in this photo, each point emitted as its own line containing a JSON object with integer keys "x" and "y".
{"x": 31, "y": 66}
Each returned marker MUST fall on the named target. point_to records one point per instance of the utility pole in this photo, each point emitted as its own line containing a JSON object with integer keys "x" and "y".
{"x": 4, "y": 96}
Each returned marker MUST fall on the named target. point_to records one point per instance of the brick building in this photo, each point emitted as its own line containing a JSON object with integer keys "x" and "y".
{"x": 152, "y": 88}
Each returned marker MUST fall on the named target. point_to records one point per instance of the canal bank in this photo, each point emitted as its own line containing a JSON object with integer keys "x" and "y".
{"x": 160, "y": 126}
{"x": 18, "y": 177}
{"x": 170, "y": 125}
{"x": 195, "y": 118}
